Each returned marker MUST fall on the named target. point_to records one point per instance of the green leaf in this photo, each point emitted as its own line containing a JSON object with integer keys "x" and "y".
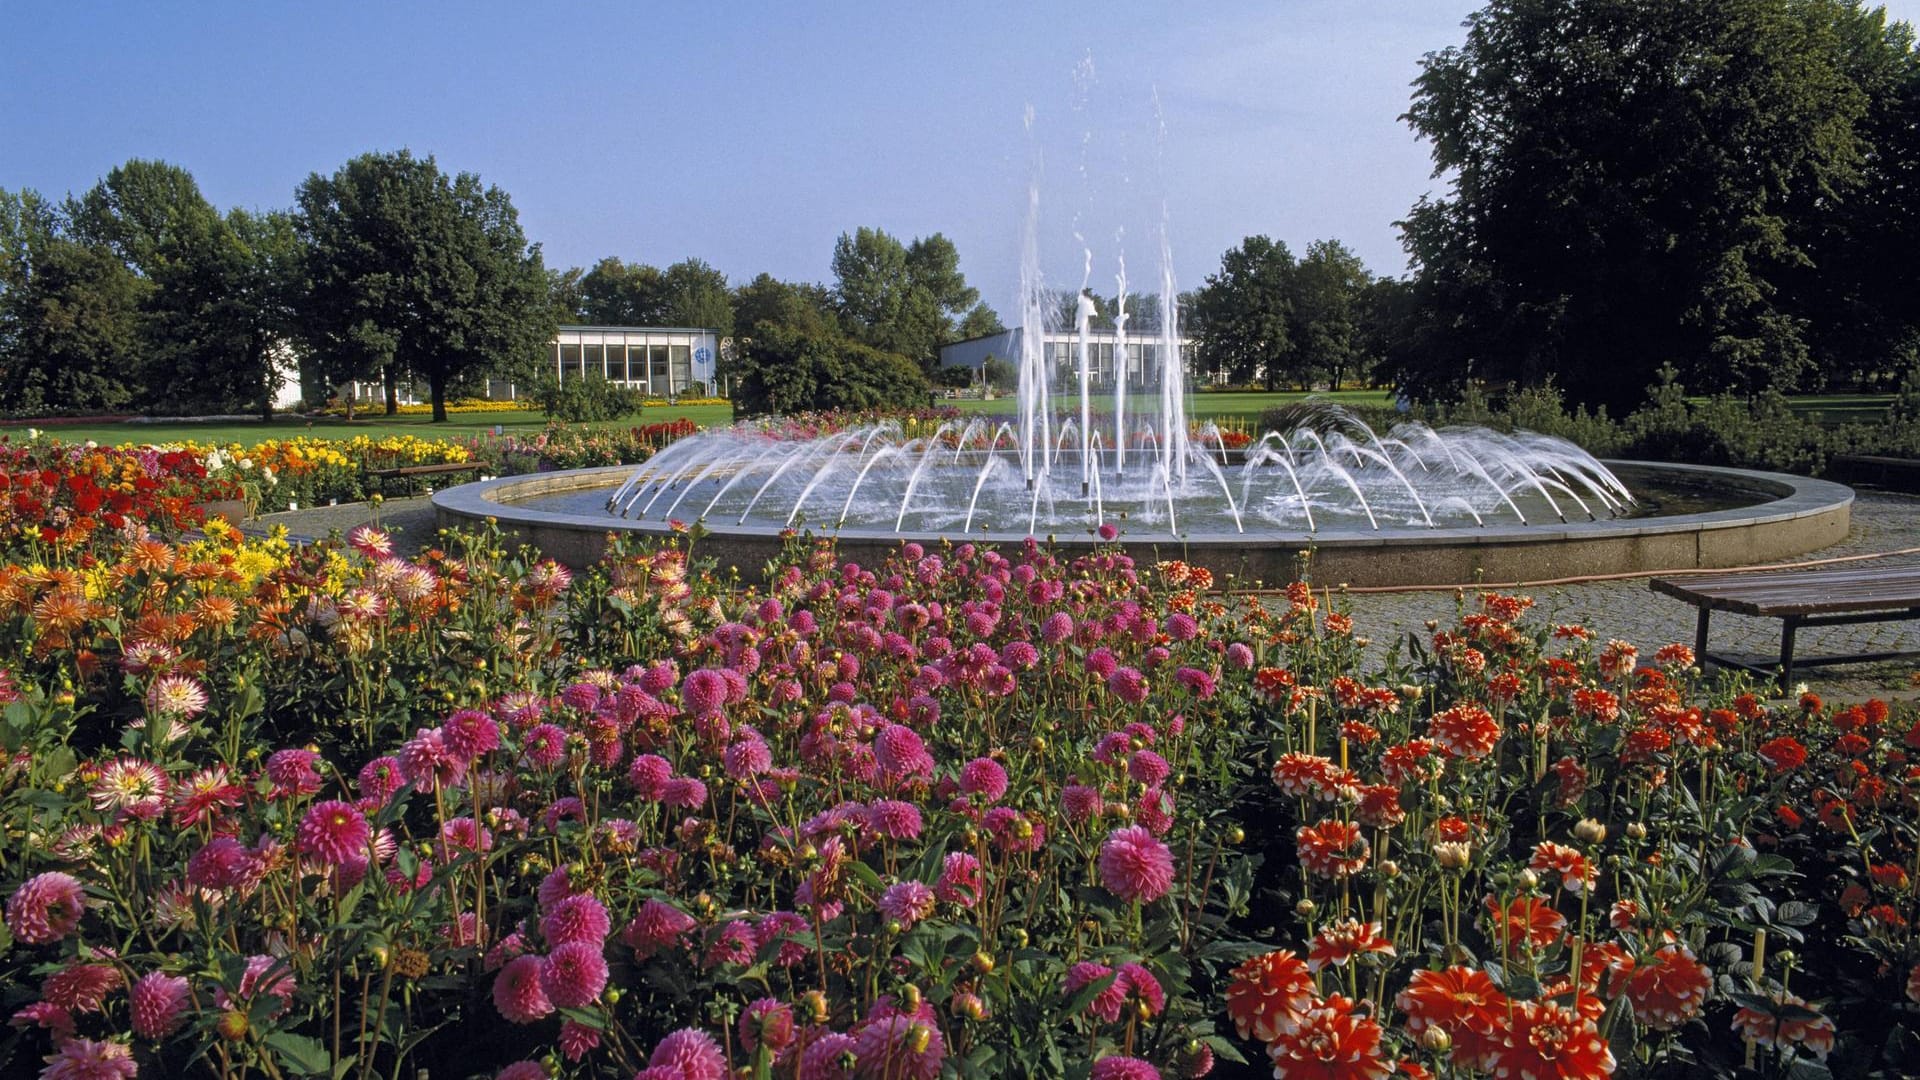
{"x": 302, "y": 1054}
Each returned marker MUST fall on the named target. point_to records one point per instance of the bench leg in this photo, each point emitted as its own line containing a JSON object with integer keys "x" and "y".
{"x": 1787, "y": 628}
{"x": 1700, "y": 637}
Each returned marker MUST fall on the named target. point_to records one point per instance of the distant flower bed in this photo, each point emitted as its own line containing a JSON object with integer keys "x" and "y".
{"x": 62, "y": 497}
{"x": 962, "y": 812}
{"x": 481, "y": 405}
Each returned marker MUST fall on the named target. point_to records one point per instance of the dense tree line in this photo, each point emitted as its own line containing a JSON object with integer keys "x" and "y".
{"x": 1726, "y": 186}
{"x": 1268, "y": 318}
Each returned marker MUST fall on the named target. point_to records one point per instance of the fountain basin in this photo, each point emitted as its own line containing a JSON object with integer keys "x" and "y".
{"x": 1778, "y": 516}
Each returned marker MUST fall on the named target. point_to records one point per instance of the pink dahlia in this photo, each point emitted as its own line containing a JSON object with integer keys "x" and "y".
{"x": 656, "y": 926}
{"x": 333, "y": 833}
{"x": 984, "y": 779}
{"x": 894, "y": 819}
{"x": 684, "y": 792}
{"x": 693, "y": 1052}
{"x": 649, "y": 774}
{"x": 574, "y": 974}
{"x": 960, "y": 880}
{"x": 81, "y": 988}
{"x": 748, "y": 758}
{"x": 470, "y": 734}
{"x": 1117, "y": 1067}
{"x": 544, "y": 745}
{"x": 225, "y": 863}
{"x": 580, "y": 917}
{"x": 896, "y": 1045}
{"x": 1081, "y": 802}
{"x": 265, "y": 976}
{"x": 1128, "y": 685}
{"x": 522, "y": 1070}
{"x": 769, "y": 1022}
{"x": 46, "y": 908}
{"x": 381, "y": 779}
{"x": 704, "y": 693}
{"x": 1109, "y": 1000}
{"x": 159, "y": 1003}
{"x": 577, "y": 1040}
{"x": 1135, "y": 866}
{"x": 907, "y": 902}
{"x": 293, "y": 773}
{"x": 84, "y": 1059}
{"x": 1148, "y": 768}
{"x": 517, "y": 992}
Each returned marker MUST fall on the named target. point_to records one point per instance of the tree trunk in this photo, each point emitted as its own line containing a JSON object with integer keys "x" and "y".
{"x": 392, "y": 380}
{"x": 437, "y": 386}
{"x": 262, "y": 351}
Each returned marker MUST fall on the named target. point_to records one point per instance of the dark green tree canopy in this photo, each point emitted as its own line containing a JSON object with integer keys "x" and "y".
{"x": 69, "y": 314}
{"x": 1633, "y": 182}
{"x": 786, "y": 371}
{"x": 1246, "y": 309}
{"x": 902, "y": 298}
{"x": 410, "y": 270}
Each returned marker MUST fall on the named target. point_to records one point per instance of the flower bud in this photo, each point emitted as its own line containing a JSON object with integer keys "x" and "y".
{"x": 1636, "y": 831}
{"x": 983, "y": 962}
{"x": 1527, "y": 879}
{"x": 1590, "y": 831}
{"x": 1305, "y": 908}
{"x": 1436, "y": 1039}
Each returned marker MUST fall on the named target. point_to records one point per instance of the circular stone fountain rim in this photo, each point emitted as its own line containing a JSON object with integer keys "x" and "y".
{"x": 1798, "y": 497}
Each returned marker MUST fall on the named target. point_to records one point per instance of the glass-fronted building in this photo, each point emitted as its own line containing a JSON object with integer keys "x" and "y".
{"x": 662, "y": 361}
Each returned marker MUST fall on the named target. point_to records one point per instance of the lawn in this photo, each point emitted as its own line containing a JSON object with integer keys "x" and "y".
{"x": 1235, "y": 406}
{"x": 458, "y": 426}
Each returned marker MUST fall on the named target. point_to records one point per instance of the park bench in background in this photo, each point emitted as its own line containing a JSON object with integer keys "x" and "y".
{"x": 1801, "y": 598}
{"x": 409, "y": 472}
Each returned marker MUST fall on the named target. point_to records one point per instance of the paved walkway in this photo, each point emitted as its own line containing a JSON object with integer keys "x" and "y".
{"x": 1629, "y": 610}
{"x": 1625, "y": 609}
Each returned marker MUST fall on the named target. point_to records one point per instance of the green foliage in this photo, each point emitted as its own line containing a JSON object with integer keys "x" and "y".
{"x": 613, "y": 293}
{"x": 69, "y": 315}
{"x": 786, "y": 371}
{"x": 900, "y": 298}
{"x": 1000, "y": 374}
{"x": 1265, "y": 317}
{"x": 1636, "y": 182}
{"x": 414, "y": 271}
{"x": 589, "y": 400}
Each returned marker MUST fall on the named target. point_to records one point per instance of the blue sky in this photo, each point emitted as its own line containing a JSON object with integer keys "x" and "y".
{"x": 753, "y": 134}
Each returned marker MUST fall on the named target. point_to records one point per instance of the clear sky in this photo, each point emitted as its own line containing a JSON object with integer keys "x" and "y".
{"x": 752, "y": 134}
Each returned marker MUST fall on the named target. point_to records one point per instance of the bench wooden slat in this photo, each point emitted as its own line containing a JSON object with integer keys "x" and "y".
{"x": 425, "y": 470}
{"x": 1805, "y": 592}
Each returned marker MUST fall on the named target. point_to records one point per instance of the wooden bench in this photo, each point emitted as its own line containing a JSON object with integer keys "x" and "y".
{"x": 410, "y": 471}
{"x": 1836, "y": 597}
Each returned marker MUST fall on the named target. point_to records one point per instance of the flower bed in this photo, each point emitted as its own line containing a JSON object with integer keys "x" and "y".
{"x": 58, "y": 499}
{"x": 325, "y": 812}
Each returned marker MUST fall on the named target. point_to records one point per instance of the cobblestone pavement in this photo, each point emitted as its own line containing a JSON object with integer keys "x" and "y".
{"x": 409, "y": 520}
{"x": 1625, "y": 609}
{"x": 1628, "y": 609}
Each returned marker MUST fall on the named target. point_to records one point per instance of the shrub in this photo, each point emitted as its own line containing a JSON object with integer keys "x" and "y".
{"x": 586, "y": 401}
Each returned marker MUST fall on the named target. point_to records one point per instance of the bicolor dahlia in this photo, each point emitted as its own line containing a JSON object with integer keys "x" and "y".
{"x": 1269, "y": 994}
{"x": 1332, "y": 849}
{"x": 333, "y": 833}
{"x": 1544, "y": 1041}
{"x": 1135, "y": 865}
{"x": 1330, "y": 1042}
{"x": 46, "y": 908}
{"x": 177, "y": 696}
{"x": 1668, "y": 988}
{"x": 1466, "y": 731}
{"x": 517, "y": 992}
{"x": 159, "y": 1004}
{"x": 1341, "y": 941}
{"x": 1463, "y": 1002}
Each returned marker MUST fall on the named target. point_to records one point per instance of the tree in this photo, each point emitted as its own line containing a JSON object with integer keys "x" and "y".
{"x": 784, "y": 371}
{"x": 980, "y": 322}
{"x": 1329, "y": 288}
{"x": 205, "y": 335}
{"x": 1624, "y": 177}
{"x": 616, "y": 293}
{"x": 901, "y": 298}
{"x": 768, "y": 301}
{"x": 693, "y": 293}
{"x": 266, "y": 276}
{"x": 1246, "y": 310}
{"x": 69, "y": 315}
{"x": 414, "y": 272}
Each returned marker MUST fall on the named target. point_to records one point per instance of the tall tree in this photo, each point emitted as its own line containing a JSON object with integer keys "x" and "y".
{"x": 1245, "y": 312}
{"x": 203, "y": 339}
{"x": 1621, "y": 178}
{"x": 616, "y": 293}
{"x": 901, "y": 298}
{"x": 1329, "y": 293}
{"x": 693, "y": 293}
{"x": 69, "y": 315}
{"x": 413, "y": 271}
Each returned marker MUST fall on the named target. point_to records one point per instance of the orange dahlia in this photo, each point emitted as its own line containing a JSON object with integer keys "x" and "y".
{"x": 1461, "y": 1001}
{"x": 1466, "y": 731}
{"x": 1269, "y": 994}
{"x": 1339, "y": 942}
{"x": 1329, "y": 1043}
{"x": 1542, "y": 1041}
{"x": 1527, "y": 920}
{"x": 1668, "y": 988}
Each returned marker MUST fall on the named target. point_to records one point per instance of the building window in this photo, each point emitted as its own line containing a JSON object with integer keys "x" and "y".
{"x": 657, "y": 370}
{"x": 569, "y": 361}
{"x": 681, "y": 364}
{"x": 594, "y": 362}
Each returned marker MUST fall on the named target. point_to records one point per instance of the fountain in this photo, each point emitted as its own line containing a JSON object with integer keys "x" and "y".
{"x": 1410, "y": 504}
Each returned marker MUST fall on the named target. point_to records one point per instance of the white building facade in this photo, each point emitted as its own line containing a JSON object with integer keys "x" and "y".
{"x": 662, "y": 361}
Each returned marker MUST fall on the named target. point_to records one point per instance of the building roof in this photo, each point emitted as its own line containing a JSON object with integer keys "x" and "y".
{"x": 641, "y": 329}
